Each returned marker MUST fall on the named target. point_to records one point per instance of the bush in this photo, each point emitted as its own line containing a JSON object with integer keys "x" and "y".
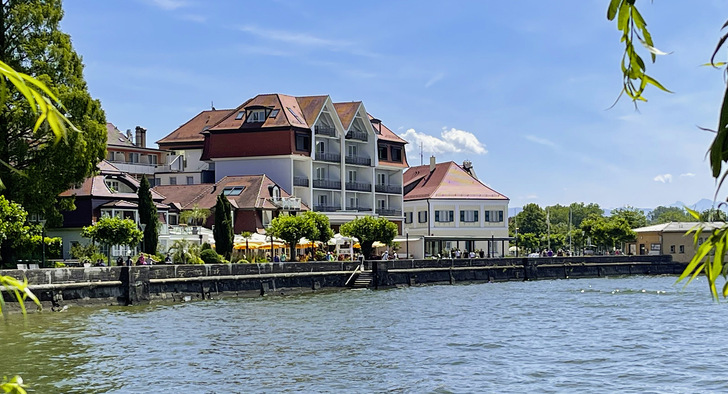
{"x": 206, "y": 246}
{"x": 209, "y": 256}
{"x": 242, "y": 261}
{"x": 320, "y": 255}
{"x": 59, "y": 264}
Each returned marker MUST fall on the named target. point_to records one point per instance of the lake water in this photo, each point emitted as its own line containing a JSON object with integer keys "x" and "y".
{"x": 633, "y": 334}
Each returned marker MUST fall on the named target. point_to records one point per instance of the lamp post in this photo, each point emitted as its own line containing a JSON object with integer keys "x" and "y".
{"x": 406, "y": 234}
{"x": 42, "y": 240}
{"x": 516, "y": 241}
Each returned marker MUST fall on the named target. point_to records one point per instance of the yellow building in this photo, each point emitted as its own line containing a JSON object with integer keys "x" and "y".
{"x": 670, "y": 238}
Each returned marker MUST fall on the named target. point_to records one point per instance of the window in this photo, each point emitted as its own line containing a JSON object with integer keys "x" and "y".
{"x": 303, "y": 142}
{"x": 133, "y": 157}
{"x": 468, "y": 216}
{"x": 233, "y": 190}
{"x": 173, "y": 180}
{"x": 112, "y": 185}
{"x": 672, "y": 248}
{"x": 273, "y": 113}
{"x": 173, "y": 220}
{"x": 320, "y": 147}
{"x": 190, "y": 180}
{"x": 238, "y": 116}
{"x": 153, "y": 159}
{"x": 322, "y": 200}
{"x": 422, "y": 216}
{"x": 157, "y": 181}
{"x": 408, "y": 217}
{"x": 397, "y": 154}
{"x": 256, "y": 116}
{"x": 351, "y": 150}
{"x": 381, "y": 204}
{"x": 353, "y": 202}
{"x": 351, "y": 175}
{"x": 381, "y": 179}
{"x": 383, "y": 152}
{"x": 682, "y": 248}
{"x": 320, "y": 173}
{"x": 444, "y": 216}
{"x": 493, "y": 216}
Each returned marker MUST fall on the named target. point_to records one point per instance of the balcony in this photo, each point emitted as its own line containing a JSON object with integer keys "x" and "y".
{"x": 358, "y": 160}
{"x": 359, "y": 186}
{"x": 325, "y": 130}
{"x": 330, "y": 157}
{"x": 135, "y": 168}
{"x": 300, "y": 181}
{"x": 287, "y": 203}
{"x": 358, "y": 208}
{"x": 393, "y": 189}
{"x": 356, "y": 135}
{"x": 326, "y": 208}
{"x": 389, "y": 212}
{"x": 326, "y": 184}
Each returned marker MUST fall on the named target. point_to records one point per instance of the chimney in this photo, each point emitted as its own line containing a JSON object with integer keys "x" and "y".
{"x": 377, "y": 125}
{"x": 432, "y": 163}
{"x": 141, "y": 137}
{"x": 128, "y": 135}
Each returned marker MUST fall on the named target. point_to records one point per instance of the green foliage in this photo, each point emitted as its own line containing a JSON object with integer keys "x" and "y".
{"x": 323, "y": 232}
{"x": 12, "y": 219}
{"x": 59, "y": 264}
{"x": 669, "y": 214}
{"x": 532, "y": 219}
{"x": 81, "y": 251}
{"x": 113, "y": 231}
{"x": 206, "y": 246}
{"x": 13, "y": 386}
{"x": 635, "y": 217}
{"x": 195, "y": 216}
{"x": 185, "y": 252}
{"x": 368, "y": 230}
{"x": 39, "y": 169}
{"x": 19, "y": 289}
{"x": 608, "y": 232}
{"x": 633, "y": 26}
{"x": 209, "y": 256}
{"x": 291, "y": 229}
{"x": 31, "y": 247}
{"x": 320, "y": 255}
{"x": 148, "y": 216}
{"x": 223, "y": 231}
{"x": 713, "y": 215}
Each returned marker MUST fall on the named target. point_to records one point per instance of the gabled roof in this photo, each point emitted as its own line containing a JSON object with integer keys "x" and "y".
{"x": 447, "y": 181}
{"x": 95, "y": 186}
{"x": 114, "y": 136}
{"x": 291, "y": 112}
{"x": 311, "y": 107}
{"x": 255, "y": 194}
{"x": 192, "y": 130}
{"x": 386, "y": 133}
{"x": 347, "y": 112}
{"x": 678, "y": 227}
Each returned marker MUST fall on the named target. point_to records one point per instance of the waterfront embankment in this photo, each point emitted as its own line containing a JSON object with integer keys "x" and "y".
{"x": 174, "y": 283}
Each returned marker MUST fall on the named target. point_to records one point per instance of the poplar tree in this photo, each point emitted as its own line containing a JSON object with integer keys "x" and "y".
{"x": 34, "y": 168}
{"x": 148, "y": 216}
{"x": 223, "y": 233}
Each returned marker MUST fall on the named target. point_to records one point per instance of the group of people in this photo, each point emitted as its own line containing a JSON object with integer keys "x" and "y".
{"x": 141, "y": 260}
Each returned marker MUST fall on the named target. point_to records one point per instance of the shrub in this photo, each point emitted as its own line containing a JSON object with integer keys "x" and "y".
{"x": 209, "y": 256}
{"x": 59, "y": 264}
{"x": 242, "y": 261}
{"x": 206, "y": 246}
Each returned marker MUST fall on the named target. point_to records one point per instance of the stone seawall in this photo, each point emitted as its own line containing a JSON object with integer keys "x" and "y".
{"x": 161, "y": 283}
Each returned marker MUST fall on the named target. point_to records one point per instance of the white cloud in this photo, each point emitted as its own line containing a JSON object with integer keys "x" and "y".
{"x": 434, "y": 79}
{"x": 170, "y": 5}
{"x": 541, "y": 141}
{"x": 450, "y": 141}
{"x": 664, "y": 178}
{"x": 194, "y": 18}
{"x": 687, "y": 174}
{"x": 295, "y": 38}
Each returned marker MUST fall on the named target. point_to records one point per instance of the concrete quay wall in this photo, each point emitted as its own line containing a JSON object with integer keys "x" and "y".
{"x": 173, "y": 283}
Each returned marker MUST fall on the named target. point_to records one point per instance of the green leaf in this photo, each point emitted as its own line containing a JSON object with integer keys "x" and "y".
{"x": 623, "y": 17}
{"x": 654, "y": 83}
{"x": 612, "y": 10}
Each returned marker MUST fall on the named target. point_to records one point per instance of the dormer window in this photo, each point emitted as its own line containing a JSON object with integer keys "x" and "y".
{"x": 239, "y": 115}
{"x": 273, "y": 113}
{"x": 256, "y": 116}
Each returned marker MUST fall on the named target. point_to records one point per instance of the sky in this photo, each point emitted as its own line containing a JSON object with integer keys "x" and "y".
{"x": 523, "y": 89}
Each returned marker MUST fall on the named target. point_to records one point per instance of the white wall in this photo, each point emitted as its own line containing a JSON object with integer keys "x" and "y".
{"x": 278, "y": 168}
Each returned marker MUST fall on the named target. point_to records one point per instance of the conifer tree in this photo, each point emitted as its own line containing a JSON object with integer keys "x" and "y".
{"x": 223, "y": 233}
{"x": 148, "y": 216}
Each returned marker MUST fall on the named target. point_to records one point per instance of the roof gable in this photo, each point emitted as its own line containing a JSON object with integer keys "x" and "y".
{"x": 191, "y": 131}
{"x": 447, "y": 181}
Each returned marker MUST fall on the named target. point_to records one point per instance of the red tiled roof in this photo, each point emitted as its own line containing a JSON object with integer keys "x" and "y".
{"x": 311, "y": 107}
{"x": 386, "y": 133}
{"x": 289, "y": 114}
{"x": 95, "y": 186}
{"x": 254, "y": 195}
{"x": 447, "y": 181}
{"x": 347, "y": 112}
{"x": 191, "y": 131}
{"x": 114, "y": 136}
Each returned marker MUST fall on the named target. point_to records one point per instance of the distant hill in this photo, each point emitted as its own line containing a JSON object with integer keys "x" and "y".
{"x": 699, "y": 206}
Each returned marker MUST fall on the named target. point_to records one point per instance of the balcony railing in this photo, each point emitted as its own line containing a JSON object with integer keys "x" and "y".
{"x": 388, "y": 189}
{"x": 300, "y": 181}
{"x": 331, "y": 157}
{"x": 356, "y": 135}
{"x": 358, "y": 208}
{"x": 389, "y": 212}
{"x": 359, "y": 186}
{"x": 325, "y": 130}
{"x": 326, "y": 184}
{"x": 358, "y": 160}
{"x": 326, "y": 208}
{"x": 287, "y": 203}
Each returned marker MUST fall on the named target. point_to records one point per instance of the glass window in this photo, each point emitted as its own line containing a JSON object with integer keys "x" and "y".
{"x": 152, "y": 159}
{"x": 422, "y": 216}
{"x": 173, "y": 180}
{"x": 381, "y": 179}
{"x": 256, "y": 116}
{"x": 682, "y": 248}
{"x": 233, "y": 190}
{"x": 444, "y": 216}
{"x": 383, "y": 153}
{"x": 397, "y": 154}
{"x": 672, "y": 248}
{"x": 408, "y": 217}
{"x": 190, "y": 180}
{"x": 468, "y": 216}
{"x": 303, "y": 142}
{"x": 239, "y": 115}
{"x": 273, "y": 113}
{"x": 352, "y": 176}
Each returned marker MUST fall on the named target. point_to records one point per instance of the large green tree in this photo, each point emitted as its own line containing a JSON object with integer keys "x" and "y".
{"x": 291, "y": 229}
{"x": 368, "y": 230}
{"x": 668, "y": 214}
{"x": 223, "y": 232}
{"x": 635, "y": 217}
{"x": 321, "y": 224}
{"x": 112, "y": 231}
{"x": 37, "y": 168}
{"x": 148, "y": 217}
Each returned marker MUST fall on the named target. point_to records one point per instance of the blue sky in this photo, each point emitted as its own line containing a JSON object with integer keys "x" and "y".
{"x": 520, "y": 88}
